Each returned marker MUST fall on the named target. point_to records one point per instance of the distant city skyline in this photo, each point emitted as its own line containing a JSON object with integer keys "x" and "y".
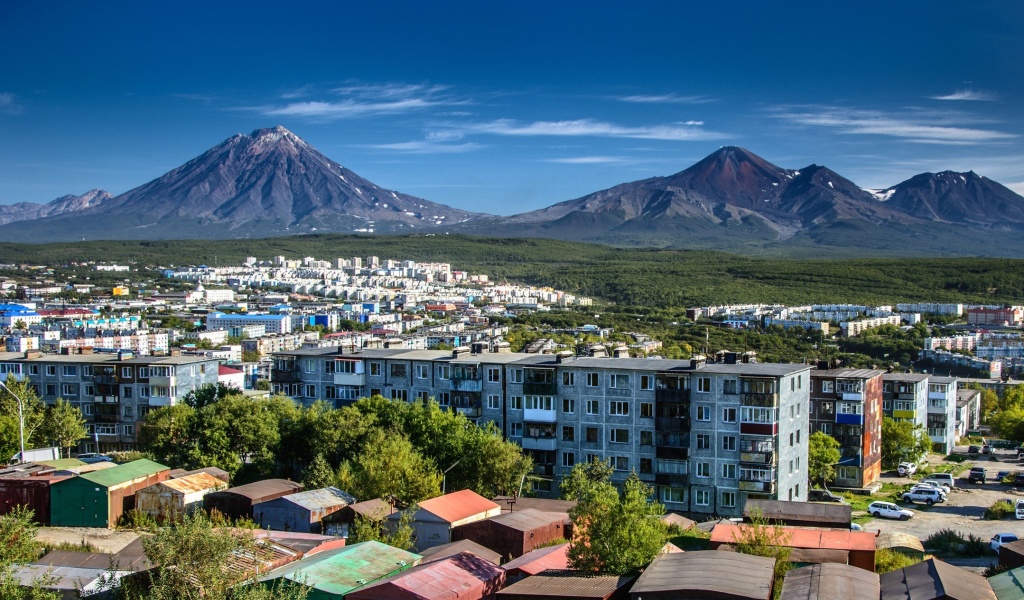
{"x": 505, "y": 108}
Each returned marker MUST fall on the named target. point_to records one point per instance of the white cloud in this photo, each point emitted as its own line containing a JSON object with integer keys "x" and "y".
{"x": 349, "y": 108}
{"x": 360, "y": 100}
{"x": 666, "y": 99}
{"x": 389, "y": 90}
{"x": 298, "y": 92}
{"x": 1017, "y": 187}
{"x": 9, "y": 104}
{"x": 688, "y": 131}
{"x": 912, "y": 126}
{"x": 428, "y": 147}
{"x": 588, "y": 160}
{"x": 967, "y": 95}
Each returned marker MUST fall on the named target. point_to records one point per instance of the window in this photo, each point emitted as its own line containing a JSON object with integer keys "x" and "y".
{"x": 540, "y": 403}
{"x": 330, "y": 392}
{"x": 128, "y": 430}
{"x": 422, "y": 371}
{"x": 128, "y": 411}
{"x": 728, "y": 415}
{"x": 826, "y": 428}
{"x": 517, "y": 375}
{"x": 703, "y": 441}
{"x": 311, "y": 391}
{"x": 126, "y": 372}
{"x": 619, "y": 436}
{"x": 568, "y": 406}
{"x": 143, "y": 371}
{"x": 646, "y": 410}
{"x": 729, "y": 499}
{"x": 493, "y": 374}
{"x": 516, "y": 430}
{"x": 790, "y": 467}
{"x": 593, "y": 407}
{"x": 792, "y": 411}
{"x": 423, "y": 395}
{"x": 88, "y": 409}
{"x": 515, "y": 402}
{"x": 144, "y": 391}
{"x": 593, "y": 435}
{"x": 703, "y": 384}
{"x": 798, "y": 464}
{"x": 593, "y": 380}
{"x": 375, "y": 392}
{"x": 847, "y": 473}
{"x": 729, "y": 386}
{"x": 826, "y": 387}
{"x": 89, "y": 391}
{"x": 729, "y": 443}
{"x": 646, "y": 465}
{"x": 756, "y": 414}
{"x": 444, "y": 372}
{"x": 126, "y": 392}
{"x": 620, "y": 463}
{"x": 568, "y": 433}
{"x": 69, "y": 371}
{"x": 493, "y": 401}
{"x": 791, "y": 439}
{"x": 568, "y": 459}
{"x": 309, "y": 365}
{"x": 619, "y": 408}
{"x": 399, "y": 370}
{"x": 52, "y": 370}
{"x": 444, "y": 399}
{"x": 568, "y": 378}
{"x": 729, "y": 471}
{"x": 702, "y": 498}
{"x": 618, "y": 381}
{"x": 375, "y": 369}
{"x": 33, "y": 369}
{"x": 850, "y": 408}
{"x": 703, "y": 413}
{"x": 402, "y": 395}
{"x": 69, "y": 389}
{"x": 798, "y": 436}
{"x": 792, "y": 385}
{"x": 671, "y": 494}
{"x": 646, "y": 437}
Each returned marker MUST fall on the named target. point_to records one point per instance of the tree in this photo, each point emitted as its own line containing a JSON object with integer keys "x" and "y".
{"x": 903, "y": 441}
{"x": 251, "y": 356}
{"x": 318, "y": 474}
{"x": 822, "y": 456}
{"x": 762, "y": 538}
{"x": 583, "y": 477}
{"x": 616, "y": 533}
{"x": 1009, "y": 423}
{"x": 34, "y": 411}
{"x": 63, "y": 424}
{"x": 377, "y": 528}
{"x": 18, "y": 537}
{"x": 390, "y": 466}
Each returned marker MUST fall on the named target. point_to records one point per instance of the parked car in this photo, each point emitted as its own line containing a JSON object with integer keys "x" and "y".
{"x": 977, "y": 475}
{"x": 1019, "y": 509}
{"x": 906, "y": 468}
{"x": 1020, "y": 450}
{"x": 922, "y": 494}
{"x": 1018, "y": 478}
{"x": 889, "y": 511}
{"x": 1002, "y": 475}
{"x": 945, "y": 479}
{"x": 824, "y": 496}
{"x": 856, "y": 527}
{"x": 986, "y": 449}
{"x": 91, "y": 457}
{"x": 973, "y": 449}
{"x": 928, "y": 486}
{"x": 942, "y": 485}
{"x": 999, "y": 539}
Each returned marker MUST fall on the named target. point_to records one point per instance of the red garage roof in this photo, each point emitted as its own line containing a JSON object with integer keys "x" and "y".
{"x": 458, "y": 505}
{"x": 463, "y": 575}
{"x": 827, "y": 539}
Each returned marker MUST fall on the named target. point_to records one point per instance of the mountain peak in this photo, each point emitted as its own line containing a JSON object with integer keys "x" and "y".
{"x": 270, "y": 135}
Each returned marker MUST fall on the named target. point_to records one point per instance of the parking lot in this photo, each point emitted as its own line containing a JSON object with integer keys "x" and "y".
{"x": 965, "y": 506}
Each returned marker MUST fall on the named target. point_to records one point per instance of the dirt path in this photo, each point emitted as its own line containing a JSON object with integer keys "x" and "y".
{"x": 105, "y": 540}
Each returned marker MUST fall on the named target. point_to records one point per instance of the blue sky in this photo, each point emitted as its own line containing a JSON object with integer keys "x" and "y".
{"x": 508, "y": 107}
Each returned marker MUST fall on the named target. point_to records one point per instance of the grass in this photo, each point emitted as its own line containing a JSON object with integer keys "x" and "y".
{"x": 82, "y": 546}
{"x": 887, "y": 559}
{"x": 952, "y": 467}
{"x": 1000, "y": 510}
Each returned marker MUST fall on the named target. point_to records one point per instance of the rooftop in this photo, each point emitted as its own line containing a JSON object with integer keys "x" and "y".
{"x": 462, "y": 575}
{"x": 709, "y": 574}
{"x": 541, "y": 559}
{"x": 327, "y": 497}
{"x": 459, "y": 505}
{"x": 848, "y": 373}
{"x": 258, "y": 490}
{"x": 345, "y": 569}
{"x": 830, "y": 580}
{"x": 934, "y": 579}
{"x": 124, "y": 473}
{"x": 453, "y": 548}
{"x": 912, "y": 377}
{"x": 190, "y": 484}
{"x": 800, "y": 537}
{"x": 568, "y": 584}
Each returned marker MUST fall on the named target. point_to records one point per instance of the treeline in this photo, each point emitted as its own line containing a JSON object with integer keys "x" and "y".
{"x": 639, "y": 277}
{"x": 374, "y": 448}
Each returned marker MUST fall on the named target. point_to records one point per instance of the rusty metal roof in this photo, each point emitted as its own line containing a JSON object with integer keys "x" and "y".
{"x": 516, "y": 504}
{"x": 541, "y": 559}
{"x": 340, "y": 571}
{"x": 528, "y": 519}
{"x": 677, "y": 520}
{"x": 463, "y": 575}
{"x": 190, "y": 484}
{"x": 328, "y": 497}
{"x": 800, "y": 537}
{"x": 781, "y": 510}
{"x": 830, "y": 580}
{"x": 453, "y": 548}
{"x": 897, "y": 540}
{"x": 258, "y": 490}
{"x": 709, "y": 574}
{"x": 568, "y": 584}
{"x": 934, "y": 579}
{"x": 96, "y": 560}
{"x": 457, "y": 506}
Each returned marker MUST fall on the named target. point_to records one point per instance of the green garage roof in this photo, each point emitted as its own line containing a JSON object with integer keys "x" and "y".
{"x": 123, "y": 473}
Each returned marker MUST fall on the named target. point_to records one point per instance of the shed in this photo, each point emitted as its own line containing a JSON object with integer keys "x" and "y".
{"x": 453, "y": 548}
{"x": 677, "y": 520}
{"x": 303, "y": 511}
{"x": 904, "y": 543}
{"x": 1011, "y": 555}
{"x": 860, "y": 545}
{"x": 706, "y": 574}
{"x": 1008, "y": 585}
{"x": 518, "y": 503}
{"x": 464, "y": 576}
{"x": 825, "y": 581}
{"x": 333, "y": 574}
{"x": 800, "y": 514}
{"x": 33, "y": 492}
{"x": 569, "y": 585}
{"x": 934, "y": 580}
{"x": 169, "y": 501}
{"x": 98, "y": 499}
{"x": 538, "y": 561}
{"x": 66, "y": 581}
{"x": 238, "y": 502}
{"x": 434, "y": 519}
{"x": 303, "y": 544}
{"x": 338, "y": 523}
{"x": 214, "y": 471}
{"x": 513, "y": 534}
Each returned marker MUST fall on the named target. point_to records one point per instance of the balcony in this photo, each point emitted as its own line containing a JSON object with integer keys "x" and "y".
{"x": 670, "y": 424}
{"x": 112, "y": 399}
{"x": 471, "y": 406}
{"x": 160, "y": 400}
{"x": 354, "y": 379}
{"x": 904, "y": 414}
{"x": 843, "y": 419}
{"x": 672, "y": 479}
{"x": 937, "y": 432}
{"x": 540, "y": 388}
{"x": 544, "y": 470}
{"x": 283, "y": 376}
{"x": 105, "y": 418}
{"x": 672, "y": 452}
{"x": 538, "y": 415}
{"x": 762, "y": 400}
{"x": 467, "y": 385}
{"x": 671, "y": 395}
{"x": 852, "y": 396}
{"x": 769, "y": 429}
{"x": 539, "y": 443}
{"x": 759, "y": 487}
{"x": 163, "y": 381}
{"x": 850, "y": 459}
{"x": 758, "y": 458}
{"x": 104, "y": 380}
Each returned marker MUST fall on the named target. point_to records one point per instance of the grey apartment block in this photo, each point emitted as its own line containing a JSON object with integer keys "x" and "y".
{"x": 905, "y": 397}
{"x": 706, "y": 435}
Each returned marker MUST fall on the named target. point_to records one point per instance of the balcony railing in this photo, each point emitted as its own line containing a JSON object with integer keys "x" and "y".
{"x": 544, "y": 470}
{"x": 760, "y": 487}
{"x": 671, "y": 395}
{"x": 763, "y": 400}
{"x": 286, "y": 375}
{"x": 540, "y": 388}
{"x": 758, "y": 458}
{"x": 467, "y": 385}
{"x": 670, "y": 424}
{"x": 671, "y": 479}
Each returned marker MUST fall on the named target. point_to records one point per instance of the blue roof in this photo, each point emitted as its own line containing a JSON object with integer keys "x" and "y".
{"x": 17, "y": 309}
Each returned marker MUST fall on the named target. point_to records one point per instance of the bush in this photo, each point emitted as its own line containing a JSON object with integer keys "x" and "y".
{"x": 994, "y": 569}
{"x": 944, "y": 541}
{"x": 999, "y": 510}
{"x": 130, "y": 455}
{"x": 974, "y": 546}
{"x": 887, "y": 559}
{"x": 137, "y": 520}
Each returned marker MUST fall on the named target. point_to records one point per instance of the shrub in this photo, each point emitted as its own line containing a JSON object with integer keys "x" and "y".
{"x": 974, "y": 546}
{"x": 944, "y": 541}
{"x": 887, "y": 559}
{"x": 1000, "y": 510}
{"x": 137, "y": 520}
{"x": 130, "y": 455}
{"x": 994, "y": 569}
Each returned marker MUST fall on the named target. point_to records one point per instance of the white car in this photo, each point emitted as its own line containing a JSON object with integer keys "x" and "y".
{"x": 924, "y": 485}
{"x": 999, "y": 539}
{"x": 1019, "y": 509}
{"x": 942, "y": 485}
{"x": 928, "y": 495}
{"x": 889, "y": 510}
{"x": 906, "y": 468}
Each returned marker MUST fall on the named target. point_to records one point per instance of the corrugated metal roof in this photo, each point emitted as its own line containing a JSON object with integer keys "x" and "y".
{"x": 677, "y": 520}
{"x": 341, "y": 571}
{"x": 782, "y": 510}
{"x": 542, "y": 504}
{"x": 126, "y": 472}
{"x": 541, "y": 559}
{"x": 912, "y": 377}
{"x": 1008, "y": 585}
{"x": 831, "y": 539}
{"x": 461, "y": 576}
{"x": 821, "y": 582}
{"x": 848, "y": 373}
{"x": 459, "y": 505}
{"x": 453, "y": 548}
{"x": 375, "y": 509}
{"x": 95, "y": 560}
{"x": 62, "y": 463}
{"x": 934, "y": 579}
{"x": 193, "y": 483}
{"x": 568, "y": 585}
{"x": 60, "y": 578}
{"x": 528, "y": 519}
{"x": 261, "y": 489}
{"x": 707, "y": 572}
{"x": 328, "y": 497}
{"x": 898, "y": 540}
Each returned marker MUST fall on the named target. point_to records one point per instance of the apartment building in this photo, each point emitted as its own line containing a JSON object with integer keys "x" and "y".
{"x": 847, "y": 405}
{"x": 706, "y": 435}
{"x": 905, "y": 397}
{"x": 271, "y": 323}
{"x": 941, "y": 417}
{"x": 113, "y": 391}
